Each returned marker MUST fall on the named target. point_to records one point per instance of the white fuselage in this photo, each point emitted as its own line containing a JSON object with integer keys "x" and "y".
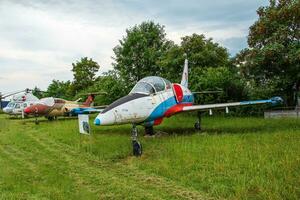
{"x": 17, "y": 107}
{"x": 141, "y": 108}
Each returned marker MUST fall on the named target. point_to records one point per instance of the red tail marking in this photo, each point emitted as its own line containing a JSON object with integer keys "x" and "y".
{"x": 89, "y": 100}
{"x": 178, "y": 92}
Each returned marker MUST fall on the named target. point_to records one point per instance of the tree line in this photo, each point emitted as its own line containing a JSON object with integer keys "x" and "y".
{"x": 269, "y": 66}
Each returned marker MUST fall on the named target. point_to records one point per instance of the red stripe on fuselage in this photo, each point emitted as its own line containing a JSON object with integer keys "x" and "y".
{"x": 176, "y": 109}
{"x": 158, "y": 121}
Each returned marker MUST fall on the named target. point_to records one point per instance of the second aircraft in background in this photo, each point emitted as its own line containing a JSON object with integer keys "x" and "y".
{"x": 51, "y": 107}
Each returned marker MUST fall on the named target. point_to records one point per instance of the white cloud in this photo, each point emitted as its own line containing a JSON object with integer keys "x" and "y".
{"x": 40, "y": 39}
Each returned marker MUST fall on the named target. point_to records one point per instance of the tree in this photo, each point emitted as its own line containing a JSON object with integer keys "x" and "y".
{"x": 222, "y": 79}
{"x": 201, "y": 53}
{"x": 60, "y": 89}
{"x": 109, "y": 83}
{"x": 273, "y": 57}
{"x": 37, "y": 92}
{"x": 204, "y": 52}
{"x": 84, "y": 72}
{"x": 139, "y": 52}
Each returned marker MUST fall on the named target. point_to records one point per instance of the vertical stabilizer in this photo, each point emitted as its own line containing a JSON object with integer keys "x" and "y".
{"x": 90, "y": 100}
{"x": 185, "y": 75}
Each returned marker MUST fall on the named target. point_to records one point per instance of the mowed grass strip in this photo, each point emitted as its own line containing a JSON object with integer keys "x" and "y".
{"x": 233, "y": 158}
{"x": 64, "y": 172}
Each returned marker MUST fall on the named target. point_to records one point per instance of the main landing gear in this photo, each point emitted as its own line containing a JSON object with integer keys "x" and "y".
{"x": 36, "y": 120}
{"x": 136, "y": 145}
{"x": 50, "y": 118}
{"x": 149, "y": 131}
{"x": 198, "y": 122}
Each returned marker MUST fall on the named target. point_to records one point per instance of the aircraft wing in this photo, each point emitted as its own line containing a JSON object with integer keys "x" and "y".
{"x": 88, "y": 110}
{"x": 104, "y": 106}
{"x": 273, "y": 101}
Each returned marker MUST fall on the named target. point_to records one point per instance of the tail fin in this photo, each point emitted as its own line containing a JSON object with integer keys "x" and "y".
{"x": 185, "y": 75}
{"x": 90, "y": 100}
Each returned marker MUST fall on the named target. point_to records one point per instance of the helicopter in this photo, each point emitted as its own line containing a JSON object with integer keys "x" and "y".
{"x": 20, "y": 100}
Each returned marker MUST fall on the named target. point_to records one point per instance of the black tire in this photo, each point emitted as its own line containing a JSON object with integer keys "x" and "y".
{"x": 197, "y": 126}
{"x": 149, "y": 130}
{"x": 50, "y": 118}
{"x": 137, "y": 148}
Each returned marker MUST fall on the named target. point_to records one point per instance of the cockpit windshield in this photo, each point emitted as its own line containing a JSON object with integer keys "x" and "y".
{"x": 151, "y": 85}
{"x": 144, "y": 88}
{"x": 49, "y": 101}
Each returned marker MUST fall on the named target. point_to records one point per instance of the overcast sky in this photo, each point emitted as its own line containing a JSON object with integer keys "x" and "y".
{"x": 40, "y": 39}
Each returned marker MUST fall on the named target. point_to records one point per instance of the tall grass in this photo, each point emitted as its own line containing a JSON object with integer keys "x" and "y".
{"x": 232, "y": 158}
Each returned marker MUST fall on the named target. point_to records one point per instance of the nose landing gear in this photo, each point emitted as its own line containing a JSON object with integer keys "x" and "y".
{"x": 136, "y": 145}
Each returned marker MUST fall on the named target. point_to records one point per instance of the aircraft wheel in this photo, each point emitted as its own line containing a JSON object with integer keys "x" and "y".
{"x": 137, "y": 148}
{"x": 50, "y": 118}
{"x": 197, "y": 126}
{"x": 149, "y": 130}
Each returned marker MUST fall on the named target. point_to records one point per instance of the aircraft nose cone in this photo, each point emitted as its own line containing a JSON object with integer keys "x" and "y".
{"x": 97, "y": 121}
{"x": 27, "y": 110}
{"x": 6, "y": 110}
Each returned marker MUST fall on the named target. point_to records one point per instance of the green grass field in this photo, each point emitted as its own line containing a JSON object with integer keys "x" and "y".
{"x": 233, "y": 158}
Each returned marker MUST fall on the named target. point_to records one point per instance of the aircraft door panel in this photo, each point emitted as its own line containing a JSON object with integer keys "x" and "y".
{"x": 18, "y": 108}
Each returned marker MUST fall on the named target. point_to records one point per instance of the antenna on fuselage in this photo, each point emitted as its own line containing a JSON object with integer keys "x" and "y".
{"x": 185, "y": 75}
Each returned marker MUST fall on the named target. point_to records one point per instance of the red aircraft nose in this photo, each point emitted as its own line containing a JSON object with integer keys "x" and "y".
{"x": 27, "y": 110}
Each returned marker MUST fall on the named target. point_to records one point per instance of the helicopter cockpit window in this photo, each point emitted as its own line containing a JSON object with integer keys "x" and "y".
{"x": 17, "y": 105}
{"x": 10, "y": 105}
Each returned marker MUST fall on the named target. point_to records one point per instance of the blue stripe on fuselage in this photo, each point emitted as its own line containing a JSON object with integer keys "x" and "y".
{"x": 160, "y": 110}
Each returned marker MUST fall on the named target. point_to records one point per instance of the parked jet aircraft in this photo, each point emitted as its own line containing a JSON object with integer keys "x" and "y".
{"x": 53, "y": 107}
{"x": 154, "y": 98}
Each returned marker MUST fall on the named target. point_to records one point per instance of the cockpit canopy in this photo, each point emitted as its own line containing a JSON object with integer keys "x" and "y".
{"x": 151, "y": 85}
{"x": 50, "y": 101}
